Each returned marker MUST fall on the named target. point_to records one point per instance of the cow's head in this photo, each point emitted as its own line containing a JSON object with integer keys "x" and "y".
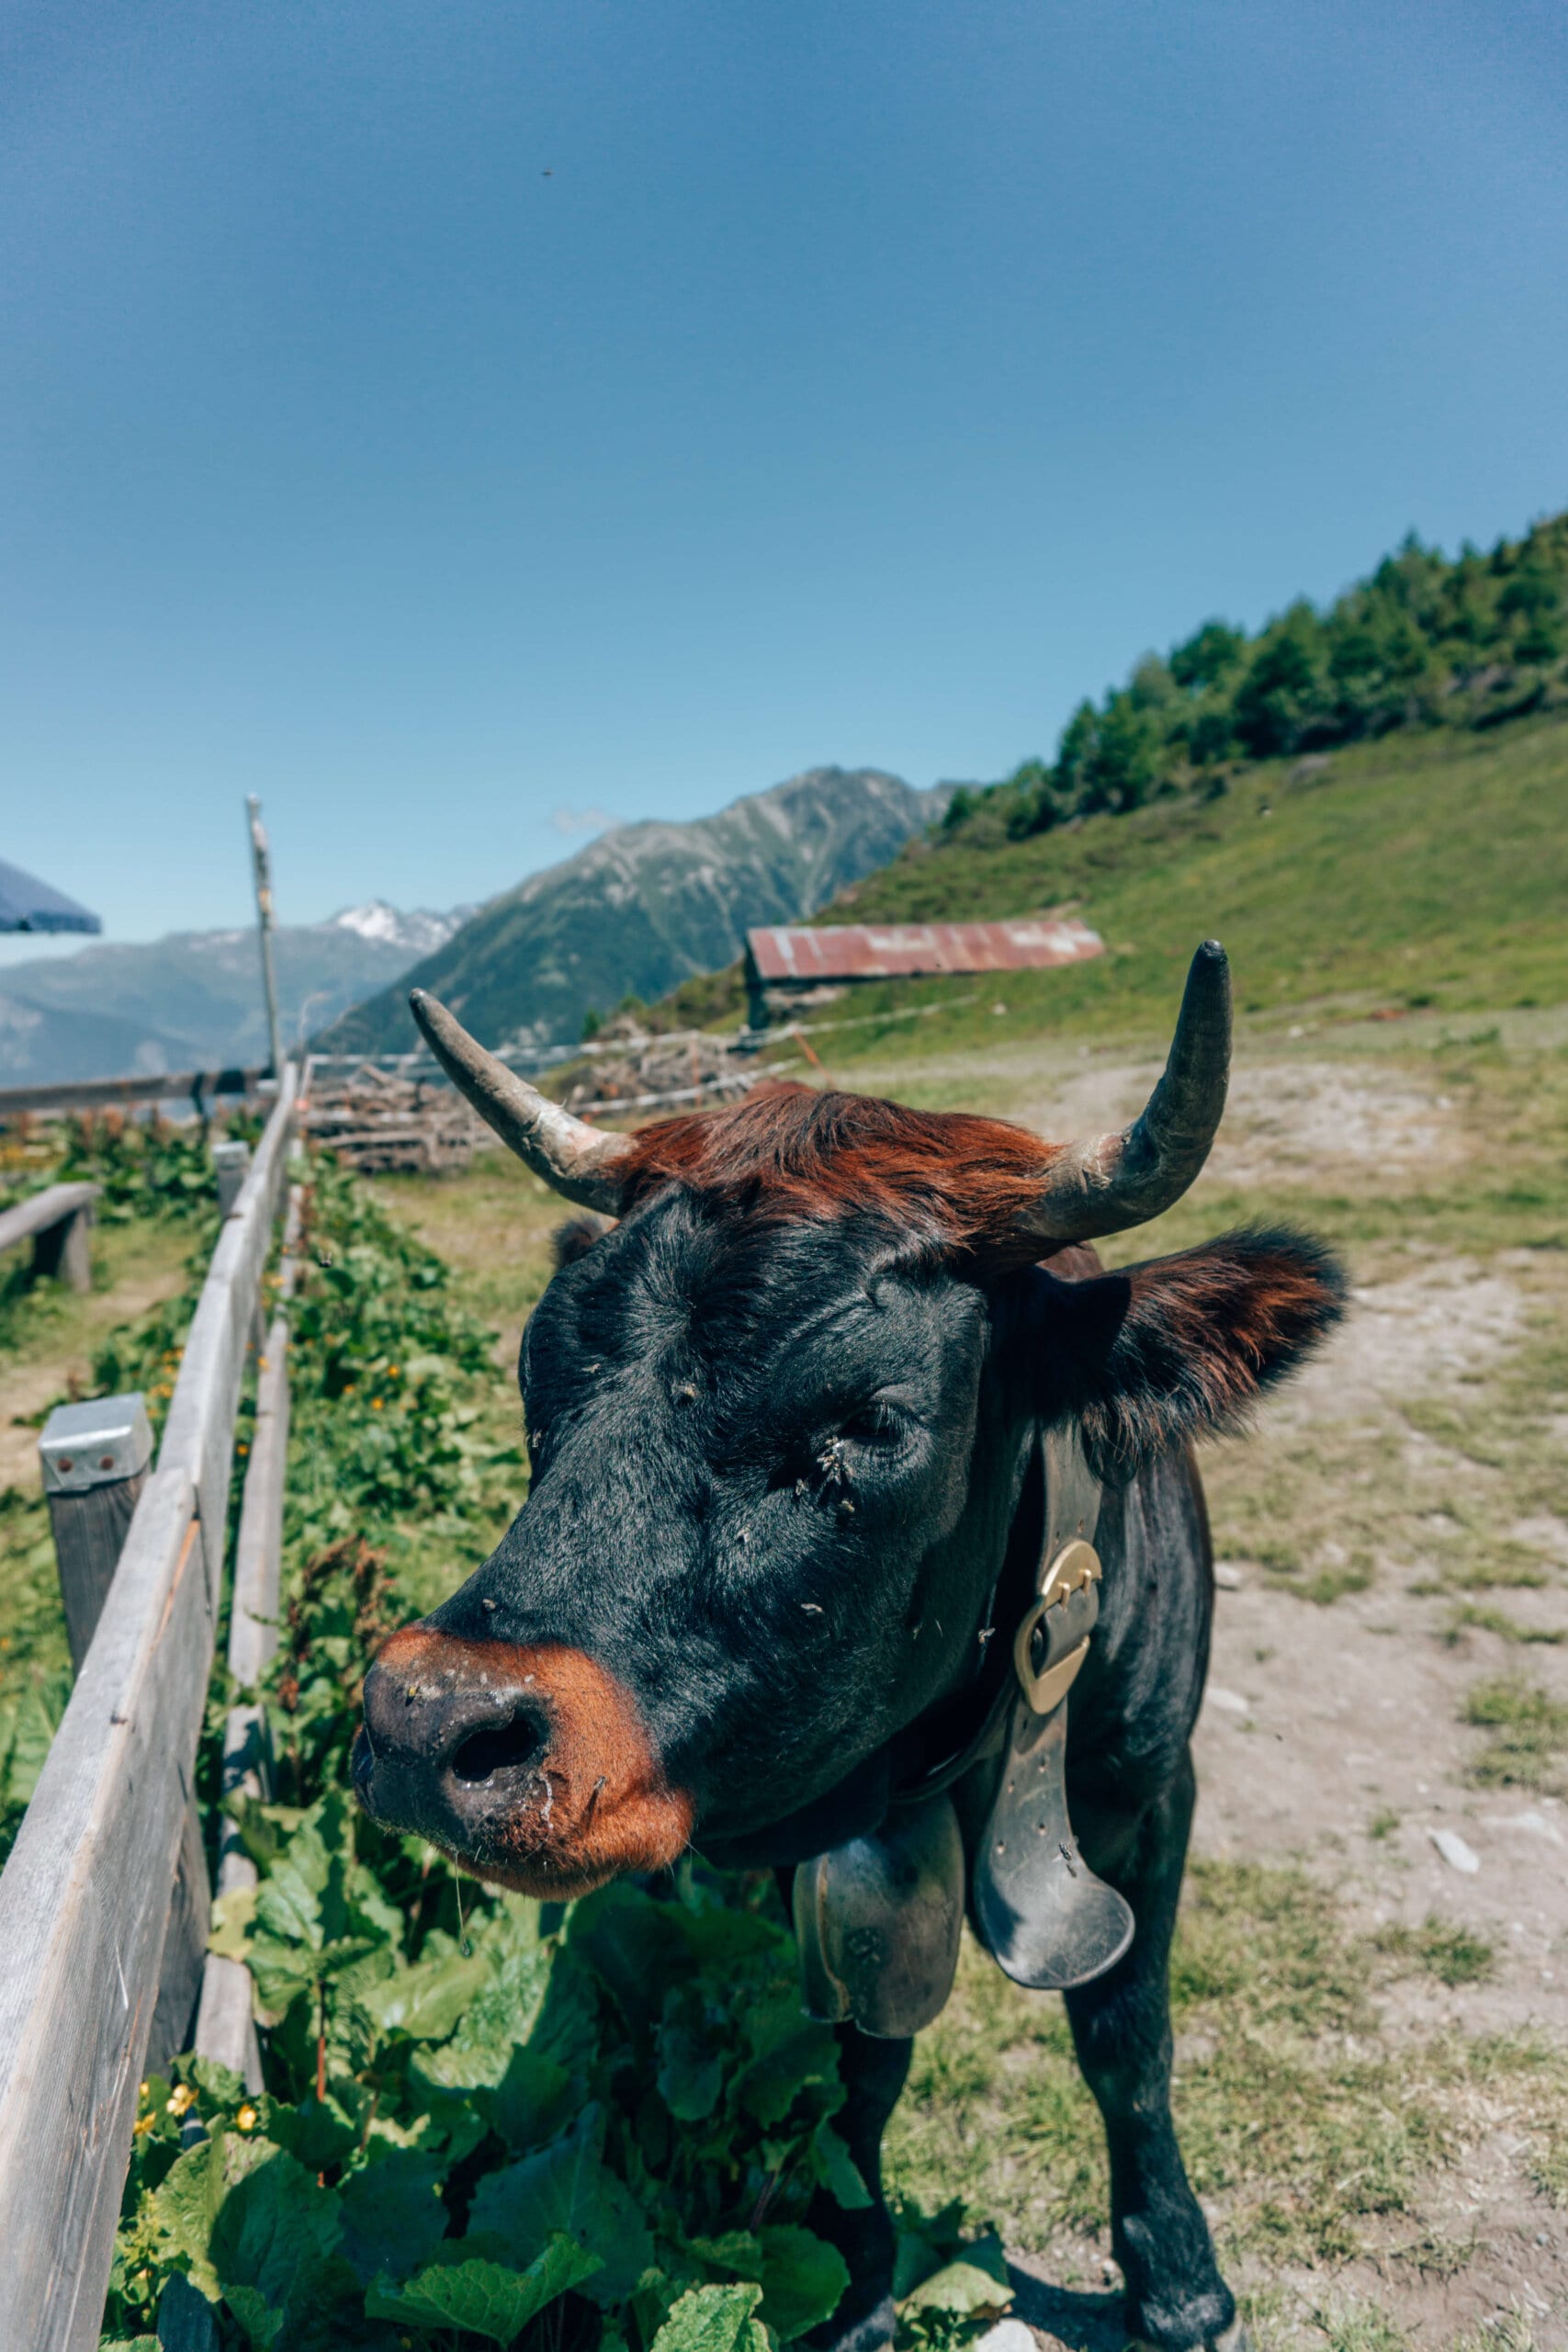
{"x": 778, "y": 1415}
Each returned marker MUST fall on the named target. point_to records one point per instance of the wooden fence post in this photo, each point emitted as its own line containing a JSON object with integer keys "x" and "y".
{"x": 94, "y": 1458}
{"x": 232, "y": 1158}
{"x": 64, "y": 1251}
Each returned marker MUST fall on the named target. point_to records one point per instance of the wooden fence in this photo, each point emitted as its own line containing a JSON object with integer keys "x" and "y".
{"x": 104, "y": 1902}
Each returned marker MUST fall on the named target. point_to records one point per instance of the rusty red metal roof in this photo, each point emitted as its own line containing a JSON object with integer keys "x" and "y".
{"x": 784, "y": 956}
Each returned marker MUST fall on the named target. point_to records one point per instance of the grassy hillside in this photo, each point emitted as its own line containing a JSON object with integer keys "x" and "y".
{"x": 1423, "y": 871}
{"x": 1426, "y": 641}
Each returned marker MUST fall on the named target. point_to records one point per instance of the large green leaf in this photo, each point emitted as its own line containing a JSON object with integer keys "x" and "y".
{"x": 392, "y": 2215}
{"x": 808, "y": 2056}
{"x": 426, "y": 2002}
{"x": 691, "y": 2069}
{"x": 533, "y": 2102}
{"x": 567, "y": 2187}
{"x": 973, "y": 2283}
{"x": 261, "y": 2323}
{"x": 255, "y": 2227}
{"x": 714, "y": 2319}
{"x": 304, "y": 1898}
{"x": 273, "y": 2229}
{"x": 318, "y": 2132}
{"x": 486, "y": 2298}
{"x": 804, "y": 2279}
{"x": 185, "y": 2208}
{"x": 838, "y": 2169}
{"x": 636, "y": 1948}
{"x": 537, "y": 1994}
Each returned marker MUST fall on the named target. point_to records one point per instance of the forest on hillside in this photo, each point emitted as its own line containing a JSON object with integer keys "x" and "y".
{"x": 1428, "y": 640}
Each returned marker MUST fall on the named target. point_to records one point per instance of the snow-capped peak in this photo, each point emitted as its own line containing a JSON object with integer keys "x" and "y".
{"x": 420, "y": 930}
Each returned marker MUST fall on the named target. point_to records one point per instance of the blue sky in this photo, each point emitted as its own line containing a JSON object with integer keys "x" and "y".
{"x": 446, "y": 419}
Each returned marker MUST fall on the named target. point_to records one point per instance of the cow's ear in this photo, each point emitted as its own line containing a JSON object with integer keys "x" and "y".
{"x": 1182, "y": 1346}
{"x": 574, "y": 1239}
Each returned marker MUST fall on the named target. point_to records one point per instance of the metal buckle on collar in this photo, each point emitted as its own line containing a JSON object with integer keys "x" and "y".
{"x": 1065, "y": 1614}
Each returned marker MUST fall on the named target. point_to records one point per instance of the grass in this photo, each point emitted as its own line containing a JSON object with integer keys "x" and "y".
{"x": 1446, "y": 1950}
{"x": 1528, "y": 1743}
{"x": 47, "y": 1323}
{"x": 1469, "y": 1619}
{"x": 1307, "y": 2132}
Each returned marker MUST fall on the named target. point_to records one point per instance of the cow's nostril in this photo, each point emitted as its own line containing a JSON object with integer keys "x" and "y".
{"x": 499, "y": 1748}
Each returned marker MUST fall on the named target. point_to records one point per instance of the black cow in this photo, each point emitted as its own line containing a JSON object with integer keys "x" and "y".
{"x": 781, "y": 1416}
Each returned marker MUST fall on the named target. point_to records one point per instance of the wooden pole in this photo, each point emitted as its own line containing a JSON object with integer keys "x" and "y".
{"x": 261, "y": 867}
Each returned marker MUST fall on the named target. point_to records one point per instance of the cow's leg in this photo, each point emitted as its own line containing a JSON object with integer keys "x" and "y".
{"x": 1176, "y": 2297}
{"x": 874, "y": 2074}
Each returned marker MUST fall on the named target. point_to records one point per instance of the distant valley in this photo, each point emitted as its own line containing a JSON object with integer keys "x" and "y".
{"x": 194, "y": 1000}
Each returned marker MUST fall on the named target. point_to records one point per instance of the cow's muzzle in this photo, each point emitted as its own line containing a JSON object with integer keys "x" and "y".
{"x": 531, "y": 1765}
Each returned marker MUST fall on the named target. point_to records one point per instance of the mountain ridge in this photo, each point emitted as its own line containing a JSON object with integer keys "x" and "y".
{"x": 645, "y": 906}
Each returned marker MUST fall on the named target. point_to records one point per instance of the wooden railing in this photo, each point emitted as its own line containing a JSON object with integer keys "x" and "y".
{"x": 104, "y": 1900}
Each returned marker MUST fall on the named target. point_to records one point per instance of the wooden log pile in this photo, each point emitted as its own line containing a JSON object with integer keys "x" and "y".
{"x": 629, "y": 1070}
{"x": 379, "y": 1121}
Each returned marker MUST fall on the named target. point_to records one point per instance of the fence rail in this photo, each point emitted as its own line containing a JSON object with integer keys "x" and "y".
{"x": 106, "y": 1093}
{"x": 90, "y": 1900}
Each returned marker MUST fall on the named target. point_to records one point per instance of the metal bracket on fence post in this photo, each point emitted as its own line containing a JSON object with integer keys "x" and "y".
{"x": 94, "y": 1458}
{"x": 232, "y": 1158}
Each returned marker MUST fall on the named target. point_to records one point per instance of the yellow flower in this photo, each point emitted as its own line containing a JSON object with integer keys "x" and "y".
{"x": 145, "y": 2125}
{"x": 247, "y": 2119}
{"x": 375, "y": 1403}
{"x": 392, "y": 1372}
{"x": 181, "y": 2099}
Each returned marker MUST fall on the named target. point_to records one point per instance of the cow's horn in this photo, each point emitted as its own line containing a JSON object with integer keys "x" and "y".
{"x": 574, "y": 1158}
{"x": 1117, "y": 1180}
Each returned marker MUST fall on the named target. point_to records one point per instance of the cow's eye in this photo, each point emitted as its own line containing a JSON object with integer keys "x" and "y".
{"x": 873, "y": 1424}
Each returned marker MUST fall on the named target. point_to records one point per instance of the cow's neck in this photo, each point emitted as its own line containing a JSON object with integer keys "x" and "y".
{"x": 878, "y": 1918}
